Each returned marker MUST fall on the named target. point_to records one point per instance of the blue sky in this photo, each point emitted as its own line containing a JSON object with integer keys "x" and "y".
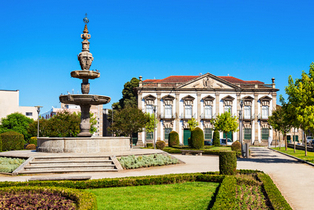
{"x": 250, "y": 40}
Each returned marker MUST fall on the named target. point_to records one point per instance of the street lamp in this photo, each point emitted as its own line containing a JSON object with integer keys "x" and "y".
{"x": 240, "y": 114}
{"x": 154, "y": 109}
{"x": 112, "y": 119}
{"x": 38, "y": 111}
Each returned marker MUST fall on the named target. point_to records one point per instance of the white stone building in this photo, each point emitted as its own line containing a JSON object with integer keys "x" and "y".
{"x": 176, "y": 99}
{"x": 9, "y": 103}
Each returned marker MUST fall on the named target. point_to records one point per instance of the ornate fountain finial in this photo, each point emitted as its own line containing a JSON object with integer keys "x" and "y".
{"x": 85, "y": 57}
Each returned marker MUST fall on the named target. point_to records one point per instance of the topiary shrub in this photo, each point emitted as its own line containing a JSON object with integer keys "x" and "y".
{"x": 31, "y": 146}
{"x": 33, "y": 140}
{"x": 160, "y": 144}
{"x": 197, "y": 138}
{"x": 236, "y": 146}
{"x": 216, "y": 141}
{"x": 12, "y": 140}
{"x": 227, "y": 163}
{"x": 173, "y": 139}
{"x": 148, "y": 145}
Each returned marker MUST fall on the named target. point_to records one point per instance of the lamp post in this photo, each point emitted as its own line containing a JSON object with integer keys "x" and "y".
{"x": 154, "y": 109}
{"x": 38, "y": 111}
{"x": 112, "y": 119}
{"x": 240, "y": 130}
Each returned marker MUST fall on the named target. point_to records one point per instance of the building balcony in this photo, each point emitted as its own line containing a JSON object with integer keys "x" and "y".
{"x": 261, "y": 117}
{"x": 248, "y": 118}
{"x": 208, "y": 117}
{"x": 168, "y": 117}
{"x": 187, "y": 117}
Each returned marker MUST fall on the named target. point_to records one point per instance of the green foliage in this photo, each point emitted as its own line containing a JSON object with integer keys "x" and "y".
{"x": 151, "y": 123}
{"x": 33, "y": 140}
{"x": 226, "y": 197}
{"x": 12, "y": 140}
{"x": 31, "y": 146}
{"x": 192, "y": 124}
{"x": 197, "y": 138}
{"x": 149, "y": 145}
{"x": 216, "y": 141}
{"x": 227, "y": 163}
{"x": 236, "y": 146}
{"x": 131, "y": 162}
{"x": 8, "y": 165}
{"x": 160, "y": 144}
{"x": 16, "y": 122}
{"x": 173, "y": 139}
{"x": 83, "y": 200}
{"x": 128, "y": 121}
{"x": 225, "y": 122}
{"x": 129, "y": 94}
{"x": 274, "y": 195}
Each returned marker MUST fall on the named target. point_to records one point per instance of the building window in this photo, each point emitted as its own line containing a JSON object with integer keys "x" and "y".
{"x": 265, "y": 112}
{"x": 228, "y": 108}
{"x": 29, "y": 114}
{"x": 208, "y": 111}
{"x": 247, "y": 112}
{"x": 168, "y": 111}
{"x": 265, "y": 133}
{"x": 188, "y": 111}
{"x": 208, "y": 133}
{"x": 149, "y": 135}
{"x": 247, "y": 133}
{"x": 149, "y": 109}
{"x": 167, "y": 131}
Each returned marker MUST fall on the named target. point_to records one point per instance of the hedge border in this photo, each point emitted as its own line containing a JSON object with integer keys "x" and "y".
{"x": 224, "y": 197}
{"x": 84, "y": 200}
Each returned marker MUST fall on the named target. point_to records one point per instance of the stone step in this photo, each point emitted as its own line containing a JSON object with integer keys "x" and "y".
{"x": 70, "y": 161}
{"x": 71, "y": 158}
{"x": 68, "y": 170}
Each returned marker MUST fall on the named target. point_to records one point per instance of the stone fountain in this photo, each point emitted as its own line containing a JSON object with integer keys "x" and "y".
{"x": 84, "y": 143}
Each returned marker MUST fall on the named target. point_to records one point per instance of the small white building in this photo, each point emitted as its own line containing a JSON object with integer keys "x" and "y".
{"x": 9, "y": 103}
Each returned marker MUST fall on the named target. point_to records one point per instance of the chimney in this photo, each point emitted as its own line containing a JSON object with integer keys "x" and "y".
{"x": 273, "y": 82}
{"x": 141, "y": 82}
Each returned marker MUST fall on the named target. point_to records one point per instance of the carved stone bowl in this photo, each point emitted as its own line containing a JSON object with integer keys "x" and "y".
{"x": 85, "y": 74}
{"x": 84, "y": 99}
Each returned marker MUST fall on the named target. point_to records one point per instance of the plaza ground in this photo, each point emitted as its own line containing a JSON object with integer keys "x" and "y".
{"x": 294, "y": 179}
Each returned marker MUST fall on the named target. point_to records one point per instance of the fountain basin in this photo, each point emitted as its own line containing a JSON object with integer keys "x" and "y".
{"x": 84, "y": 99}
{"x": 85, "y": 74}
{"x": 83, "y": 144}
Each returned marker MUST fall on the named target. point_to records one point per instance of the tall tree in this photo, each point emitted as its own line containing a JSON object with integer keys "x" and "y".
{"x": 301, "y": 98}
{"x": 16, "y": 122}
{"x": 129, "y": 94}
{"x": 225, "y": 123}
{"x": 192, "y": 123}
{"x": 128, "y": 121}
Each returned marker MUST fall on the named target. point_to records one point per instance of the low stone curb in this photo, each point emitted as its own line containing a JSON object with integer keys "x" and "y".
{"x": 300, "y": 160}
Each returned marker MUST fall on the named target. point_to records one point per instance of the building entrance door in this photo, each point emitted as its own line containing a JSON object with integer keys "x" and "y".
{"x": 186, "y": 136}
{"x": 229, "y": 136}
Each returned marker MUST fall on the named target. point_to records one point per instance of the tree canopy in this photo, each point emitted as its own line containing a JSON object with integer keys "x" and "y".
{"x": 226, "y": 123}
{"x": 129, "y": 95}
{"x": 151, "y": 123}
{"x": 16, "y": 122}
{"x": 192, "y": 123}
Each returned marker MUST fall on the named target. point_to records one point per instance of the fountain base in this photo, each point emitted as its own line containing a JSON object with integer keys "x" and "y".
{"x": 83, "y": 144}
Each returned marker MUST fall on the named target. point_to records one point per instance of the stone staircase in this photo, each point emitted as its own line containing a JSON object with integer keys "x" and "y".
{"x": 70, "y": 164}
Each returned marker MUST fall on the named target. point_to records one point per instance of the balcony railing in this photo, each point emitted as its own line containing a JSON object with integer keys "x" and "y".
{"x": 248, "y": 118}
{"x": 207, "y": 117}
{"x": 164, "y": 116}
{"x": 183, "y": 116}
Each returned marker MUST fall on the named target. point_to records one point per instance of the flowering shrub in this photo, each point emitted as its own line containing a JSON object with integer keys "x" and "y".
{"x": 132, "y": 162}
{"x": 8, "y": 165}
{"x": 31, "y": 146}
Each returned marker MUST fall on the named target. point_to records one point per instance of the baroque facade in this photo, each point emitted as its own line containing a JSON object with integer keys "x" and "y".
{"x": 176, "y": 99}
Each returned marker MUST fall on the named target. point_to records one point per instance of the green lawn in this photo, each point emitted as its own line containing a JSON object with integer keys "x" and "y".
{"x": 298, "y": 154}
{"x": 189, "y": 195}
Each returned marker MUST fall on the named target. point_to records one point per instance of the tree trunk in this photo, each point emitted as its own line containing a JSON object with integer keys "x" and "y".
{"x": 294, "y": 139}
{"x": 305, "y": 145}
{"x": 285, "y": 140}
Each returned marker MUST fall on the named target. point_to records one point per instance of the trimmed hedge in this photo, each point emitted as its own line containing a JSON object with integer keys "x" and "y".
{"x": 84, "y": 200}
{"x": 30, "y": 146}
{"x": 274, "y": 195}
{"x": 236, "y": 146}
{"x": 12, "y": 140}
{"x": 197, "y": 138}
{"x": 173, "y": 139}
{"x": 216, "y": 141}
{"x": 227, "y": 163}
{"x": 160, "y": 144}
{"x": 226, "y": 196}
